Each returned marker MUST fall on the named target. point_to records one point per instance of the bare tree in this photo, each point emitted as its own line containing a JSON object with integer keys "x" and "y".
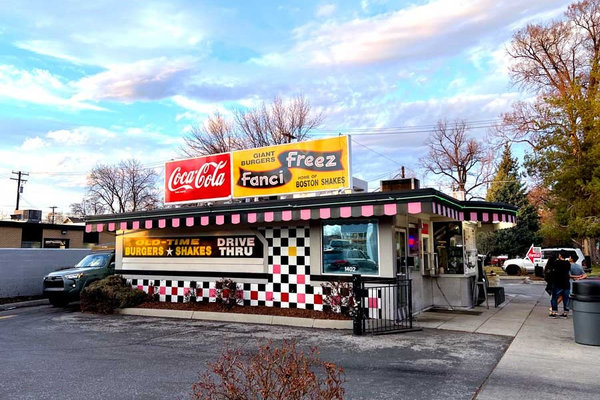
{"x": 462, "y": 162}
{"x": 268, "y": 124}
{"x": 87, "y": 206}
{"x": 215, "y": 136}
{"x": 125, "y": 187}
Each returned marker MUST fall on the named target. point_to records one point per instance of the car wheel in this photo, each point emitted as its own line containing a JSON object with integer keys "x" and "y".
{"x": 59, "y": 302}
{"x": 513, "y": 270}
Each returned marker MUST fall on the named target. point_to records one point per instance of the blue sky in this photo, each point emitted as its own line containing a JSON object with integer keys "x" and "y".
{"x": 98, "y": 82}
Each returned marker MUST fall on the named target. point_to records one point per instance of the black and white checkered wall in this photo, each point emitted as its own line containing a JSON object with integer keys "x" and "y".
{"x": 288, "y": 285}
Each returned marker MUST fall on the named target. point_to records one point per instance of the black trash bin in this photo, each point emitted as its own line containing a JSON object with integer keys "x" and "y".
{"x": 585, "y": 303}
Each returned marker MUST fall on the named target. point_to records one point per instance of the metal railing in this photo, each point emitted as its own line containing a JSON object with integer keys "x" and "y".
{"x": 383, "y": 306}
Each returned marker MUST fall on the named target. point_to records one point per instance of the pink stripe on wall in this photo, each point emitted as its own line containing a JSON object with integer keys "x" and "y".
{"x": 325, "y": 213}
{"x": 390, "y": 209}
{"x": 175, "y": 222}
{"x": 162, "y": 223}
{"x": 414, "y": 208}
{"x": 461, "y": 216}
{"x": 304, "y": 214}
{"x": 345, "y": 212}
{"x": 251, "y": 217}
{"x": 503, "y": 217}
{"x": 189, "y": 221}
{"x": 135, "y": 225}
{"x": 148, "y": 224}
{"x": 99, "y": 227}
{"x": 269, "y": 216}
{"x": 204, "y": 220}
{"x": 495, "y": 218}
{"x": 123, "y": 226}
{"x": 235, "y": 218}
{"x": 111, "y": 226}
{"x": 486, "y": 217}
{"x": 88, "y": 228}
{"x": 366, "y": 211}
{"x": 286, "y": 215}
{"x": 220, "y": 220}
{"x": 473, "y": 216}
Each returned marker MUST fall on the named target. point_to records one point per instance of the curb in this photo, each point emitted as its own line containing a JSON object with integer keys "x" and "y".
{"x": 21, "y": 304}
{"x": 239, "y": 318}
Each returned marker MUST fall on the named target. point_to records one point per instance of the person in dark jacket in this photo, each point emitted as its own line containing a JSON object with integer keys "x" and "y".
{"x": 548, "y": 270}
{"x": 560, "y": 285}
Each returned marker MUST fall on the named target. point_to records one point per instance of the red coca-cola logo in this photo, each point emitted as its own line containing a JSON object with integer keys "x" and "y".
{"x": 198, "y": 179}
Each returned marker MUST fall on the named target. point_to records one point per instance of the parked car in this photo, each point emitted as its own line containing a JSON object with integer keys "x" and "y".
{"x": 348, "y": 260}
{"x": 516, "y": 265}
{"x": 571, "y": 251}
{"x": 63, "y": 286}
{"x": 340, "y": 243}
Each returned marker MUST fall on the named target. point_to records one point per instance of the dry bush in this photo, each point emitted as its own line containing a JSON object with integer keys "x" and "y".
{"x": 273, "y": 373}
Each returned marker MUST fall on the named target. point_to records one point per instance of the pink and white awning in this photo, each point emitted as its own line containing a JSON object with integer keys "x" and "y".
{"x": 262, "y": 214}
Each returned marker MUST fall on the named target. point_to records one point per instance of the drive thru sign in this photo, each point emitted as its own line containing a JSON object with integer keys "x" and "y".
{"x": 534, "y": 254}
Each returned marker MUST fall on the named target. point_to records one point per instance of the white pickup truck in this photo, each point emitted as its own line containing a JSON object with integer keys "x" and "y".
{"x": 516, "y": 266}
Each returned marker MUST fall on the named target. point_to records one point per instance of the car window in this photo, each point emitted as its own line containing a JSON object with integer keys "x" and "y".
{"x": 93, "y": 260}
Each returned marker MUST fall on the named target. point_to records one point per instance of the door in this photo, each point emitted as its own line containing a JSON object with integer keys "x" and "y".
{"x": 401, "y": 255}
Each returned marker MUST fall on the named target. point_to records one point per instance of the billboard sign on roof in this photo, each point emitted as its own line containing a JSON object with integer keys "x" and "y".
{"x": 198, "y": 179}
{"x": 311, "y": 166}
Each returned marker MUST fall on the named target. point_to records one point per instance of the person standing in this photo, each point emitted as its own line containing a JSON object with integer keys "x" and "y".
{"x": 576, "y": 272}
{"x": 561, "y": 285}
{"x": 549, "y": 273}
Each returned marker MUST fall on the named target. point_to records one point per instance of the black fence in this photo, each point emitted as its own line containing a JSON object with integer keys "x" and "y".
{"x": 383, "y": 306}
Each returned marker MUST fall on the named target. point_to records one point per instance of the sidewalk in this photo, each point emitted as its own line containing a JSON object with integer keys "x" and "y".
{"x": 543, "y": 361}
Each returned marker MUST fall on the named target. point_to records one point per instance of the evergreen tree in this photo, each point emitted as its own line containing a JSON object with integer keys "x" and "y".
{"x": 507, "y": 187}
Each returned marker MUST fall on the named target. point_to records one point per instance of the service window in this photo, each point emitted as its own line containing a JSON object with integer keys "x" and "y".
{"x": 351, "y": 248}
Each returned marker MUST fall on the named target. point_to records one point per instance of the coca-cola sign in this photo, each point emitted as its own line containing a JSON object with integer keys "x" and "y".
{"x": 198, "y": 179}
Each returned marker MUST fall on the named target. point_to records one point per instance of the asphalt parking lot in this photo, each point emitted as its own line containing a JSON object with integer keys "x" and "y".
{"x": 50, "y": 353}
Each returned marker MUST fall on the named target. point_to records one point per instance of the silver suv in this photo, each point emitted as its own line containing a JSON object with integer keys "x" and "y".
{"x": 571, "y": 251}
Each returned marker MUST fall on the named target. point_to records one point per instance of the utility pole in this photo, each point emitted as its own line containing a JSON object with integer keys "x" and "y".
{"x": 53, "y": 208}
{"x": 20, "y": 182}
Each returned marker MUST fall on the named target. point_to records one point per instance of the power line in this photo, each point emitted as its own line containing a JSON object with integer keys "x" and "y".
{"x": 366, "y": 131}
{"x": 382, "y": 155}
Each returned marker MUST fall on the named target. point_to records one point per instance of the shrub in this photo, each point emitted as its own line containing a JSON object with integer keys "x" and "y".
{"x": 227, "y": 293}
{"x": 110, "y": 293}
{"x": 338, "y": 297}
{"x": 271, "y": 373}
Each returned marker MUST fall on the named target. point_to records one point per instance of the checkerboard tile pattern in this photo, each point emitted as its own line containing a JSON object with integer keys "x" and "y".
{"x": 373, "y": 303}
{"x": 288, "y": 285}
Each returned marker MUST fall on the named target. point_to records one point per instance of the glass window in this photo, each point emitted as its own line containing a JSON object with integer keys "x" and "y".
{"x": 351, "y": 248}
{"x": 448, "y": 244}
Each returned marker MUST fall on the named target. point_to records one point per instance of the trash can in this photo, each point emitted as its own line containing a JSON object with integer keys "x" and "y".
{"x": 585, "y": 303}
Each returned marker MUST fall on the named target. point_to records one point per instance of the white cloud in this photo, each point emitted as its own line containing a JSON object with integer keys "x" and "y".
{"x": 107, "y": 32}
{"x": 198, "y": 107}
{"x": 143, "y": 80}
{"x": 39, "y": 87}
{"x": 417, "y": 32}
{"x": 326, "y": 10}
{"x": 35, "y": 143}
{"x": 59, "y": 161}
{"x": 67, "y": 137}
